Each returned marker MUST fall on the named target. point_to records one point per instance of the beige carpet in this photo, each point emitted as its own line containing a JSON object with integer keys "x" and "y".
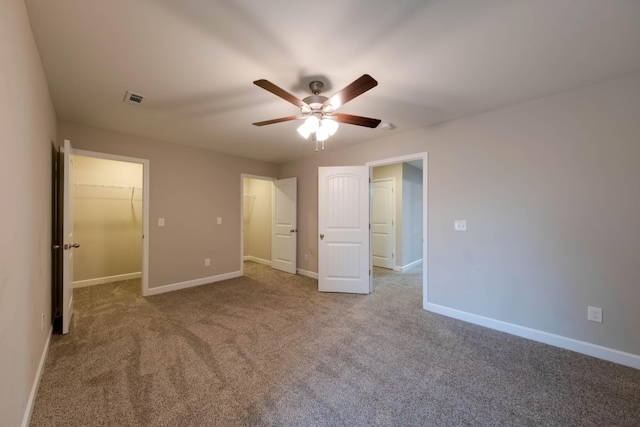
{"x": 268, "y": 349}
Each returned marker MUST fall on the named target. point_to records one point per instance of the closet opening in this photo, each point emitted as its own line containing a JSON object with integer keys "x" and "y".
{"x": 256, "y": 219}
{"x": 110, "y": 219}
{"x": 269, "y": 222}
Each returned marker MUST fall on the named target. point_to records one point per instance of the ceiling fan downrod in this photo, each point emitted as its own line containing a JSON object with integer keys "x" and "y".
{"x": 316, "y": 87}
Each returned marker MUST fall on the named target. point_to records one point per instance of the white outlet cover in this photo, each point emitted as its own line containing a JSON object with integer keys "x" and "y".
{"x": 460, "y": 225}
{"x": 594, "y": 314}
{"x": 160, "y": 222}
{"x": 219, "y": 220}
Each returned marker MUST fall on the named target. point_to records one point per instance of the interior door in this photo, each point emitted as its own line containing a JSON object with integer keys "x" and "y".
{"x": 67, "y": 232}
{"x": 344, "y": 259}
{"x": 383, "y": 240}
{"x": 284, "y": 225}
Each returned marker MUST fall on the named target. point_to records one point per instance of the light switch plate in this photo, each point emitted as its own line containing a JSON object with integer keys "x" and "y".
{"x": 460, "y": 225}
{"x": 219, "y": 220}
{"x": 160, "y": 222}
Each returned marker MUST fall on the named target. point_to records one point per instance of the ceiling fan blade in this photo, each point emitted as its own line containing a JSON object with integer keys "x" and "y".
{"x": 358, "y": 87}
{"x": 356, "y": 120}
{"x": 278, "y": 91}
{"x": 272, "y": 121}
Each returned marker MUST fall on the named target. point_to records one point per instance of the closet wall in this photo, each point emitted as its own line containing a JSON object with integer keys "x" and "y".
{"x": 257, "y": 220}
{"x": 412, "y": 195}
{"x": 107, "y": 220}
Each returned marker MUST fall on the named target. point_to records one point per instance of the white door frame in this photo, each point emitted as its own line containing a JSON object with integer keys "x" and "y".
{"x": 425, "y": 163}
{"x": 145, "y": 205}
{"x": 242, "y": 177}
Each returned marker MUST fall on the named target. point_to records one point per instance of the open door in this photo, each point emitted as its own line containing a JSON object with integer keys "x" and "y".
{"x": 67, "y": 238}
{"x": 284, "y": 225}
{"x": 344, "y": 260}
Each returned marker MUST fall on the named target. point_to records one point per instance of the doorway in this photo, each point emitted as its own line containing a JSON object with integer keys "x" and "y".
{"x": 396, "y": 215}
{"x": 411, "y": 210}
{"x": 256, "y": 219}
{"x": 269, "y": 222}
{"x": 111, "y": 206}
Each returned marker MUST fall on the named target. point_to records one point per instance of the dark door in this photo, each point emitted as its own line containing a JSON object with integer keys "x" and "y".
{"x": 56, "y": 239}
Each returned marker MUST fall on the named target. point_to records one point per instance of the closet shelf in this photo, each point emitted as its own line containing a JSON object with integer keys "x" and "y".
{"x": 109, "y": 192}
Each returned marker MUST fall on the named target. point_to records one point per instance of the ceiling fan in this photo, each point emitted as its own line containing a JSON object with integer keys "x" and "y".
{"x": 318, "y": 112}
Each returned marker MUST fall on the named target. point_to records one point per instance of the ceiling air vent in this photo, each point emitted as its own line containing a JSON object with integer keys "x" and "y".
{"x": 133, "y": 98}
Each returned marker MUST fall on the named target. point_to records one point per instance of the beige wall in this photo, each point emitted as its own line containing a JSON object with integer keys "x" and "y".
{"x": 257, "y": 215}
{"x": 107, "y": 220}
{"x": 189, "y": 188}
{"x": 550, "y": 192}
{"x": 28, "y": 128}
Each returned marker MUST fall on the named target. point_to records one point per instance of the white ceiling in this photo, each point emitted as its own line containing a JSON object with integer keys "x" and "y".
{"x": 195, "y": 61}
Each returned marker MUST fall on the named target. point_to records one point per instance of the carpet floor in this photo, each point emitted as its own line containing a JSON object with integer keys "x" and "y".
{"x": 268, "y": 349}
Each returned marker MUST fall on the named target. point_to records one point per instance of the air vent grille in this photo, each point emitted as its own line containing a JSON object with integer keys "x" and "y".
{"x": 133, "y": 98}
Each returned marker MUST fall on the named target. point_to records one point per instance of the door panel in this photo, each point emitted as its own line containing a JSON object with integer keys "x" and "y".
{"x": 68, "y": 243}
{"x": 382, "y": 223}
{"x": 284, "y": 228}
{"x": 343, "y": 226}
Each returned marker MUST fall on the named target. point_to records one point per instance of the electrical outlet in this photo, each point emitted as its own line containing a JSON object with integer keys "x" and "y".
{"x": 42, "y": 322}
{"x": 460, "y": 225}
{"x": 594, "y": 314}
{"x": 207, "y": 262}
{"x": 306, "y": 257}
{"x": 219, "y": 220}
{"x": 160, "y": 222}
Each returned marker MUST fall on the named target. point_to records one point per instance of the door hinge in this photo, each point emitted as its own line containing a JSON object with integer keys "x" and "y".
{"x": 369, "y": 226}
{"x": 392, "y": 255}
{"x": 369, "y": 272}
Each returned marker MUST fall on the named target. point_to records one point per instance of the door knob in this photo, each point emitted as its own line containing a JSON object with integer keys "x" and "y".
{"x": 68, "y": 246}
{"x": 293, "y": 230}
{"x": 321, "y": 236}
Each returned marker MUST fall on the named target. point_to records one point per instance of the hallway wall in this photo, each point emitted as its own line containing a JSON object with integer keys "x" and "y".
{"x": 27, "y": 129}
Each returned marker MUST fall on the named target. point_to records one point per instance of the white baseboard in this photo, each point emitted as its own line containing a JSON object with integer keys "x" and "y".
{"x": 191, "y": 283}
{"x": 26, "y": 419}
{"x": 258, "y": 260}
{"x": 605, "y": 353}
{"x": 107, "y": 279}
{"x": 307, "y": 273}
{"x": 411, "y": 264}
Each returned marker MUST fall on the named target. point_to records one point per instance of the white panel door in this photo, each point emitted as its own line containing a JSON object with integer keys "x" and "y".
{"x": 344, "y": 259}
{"x": 383, "y": 240}
{"x": 67, "y": 238}
{"x": 284, "y": 225}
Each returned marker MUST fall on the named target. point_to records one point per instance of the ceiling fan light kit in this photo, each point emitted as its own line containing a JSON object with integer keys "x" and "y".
{"x": 318, "y": 112}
